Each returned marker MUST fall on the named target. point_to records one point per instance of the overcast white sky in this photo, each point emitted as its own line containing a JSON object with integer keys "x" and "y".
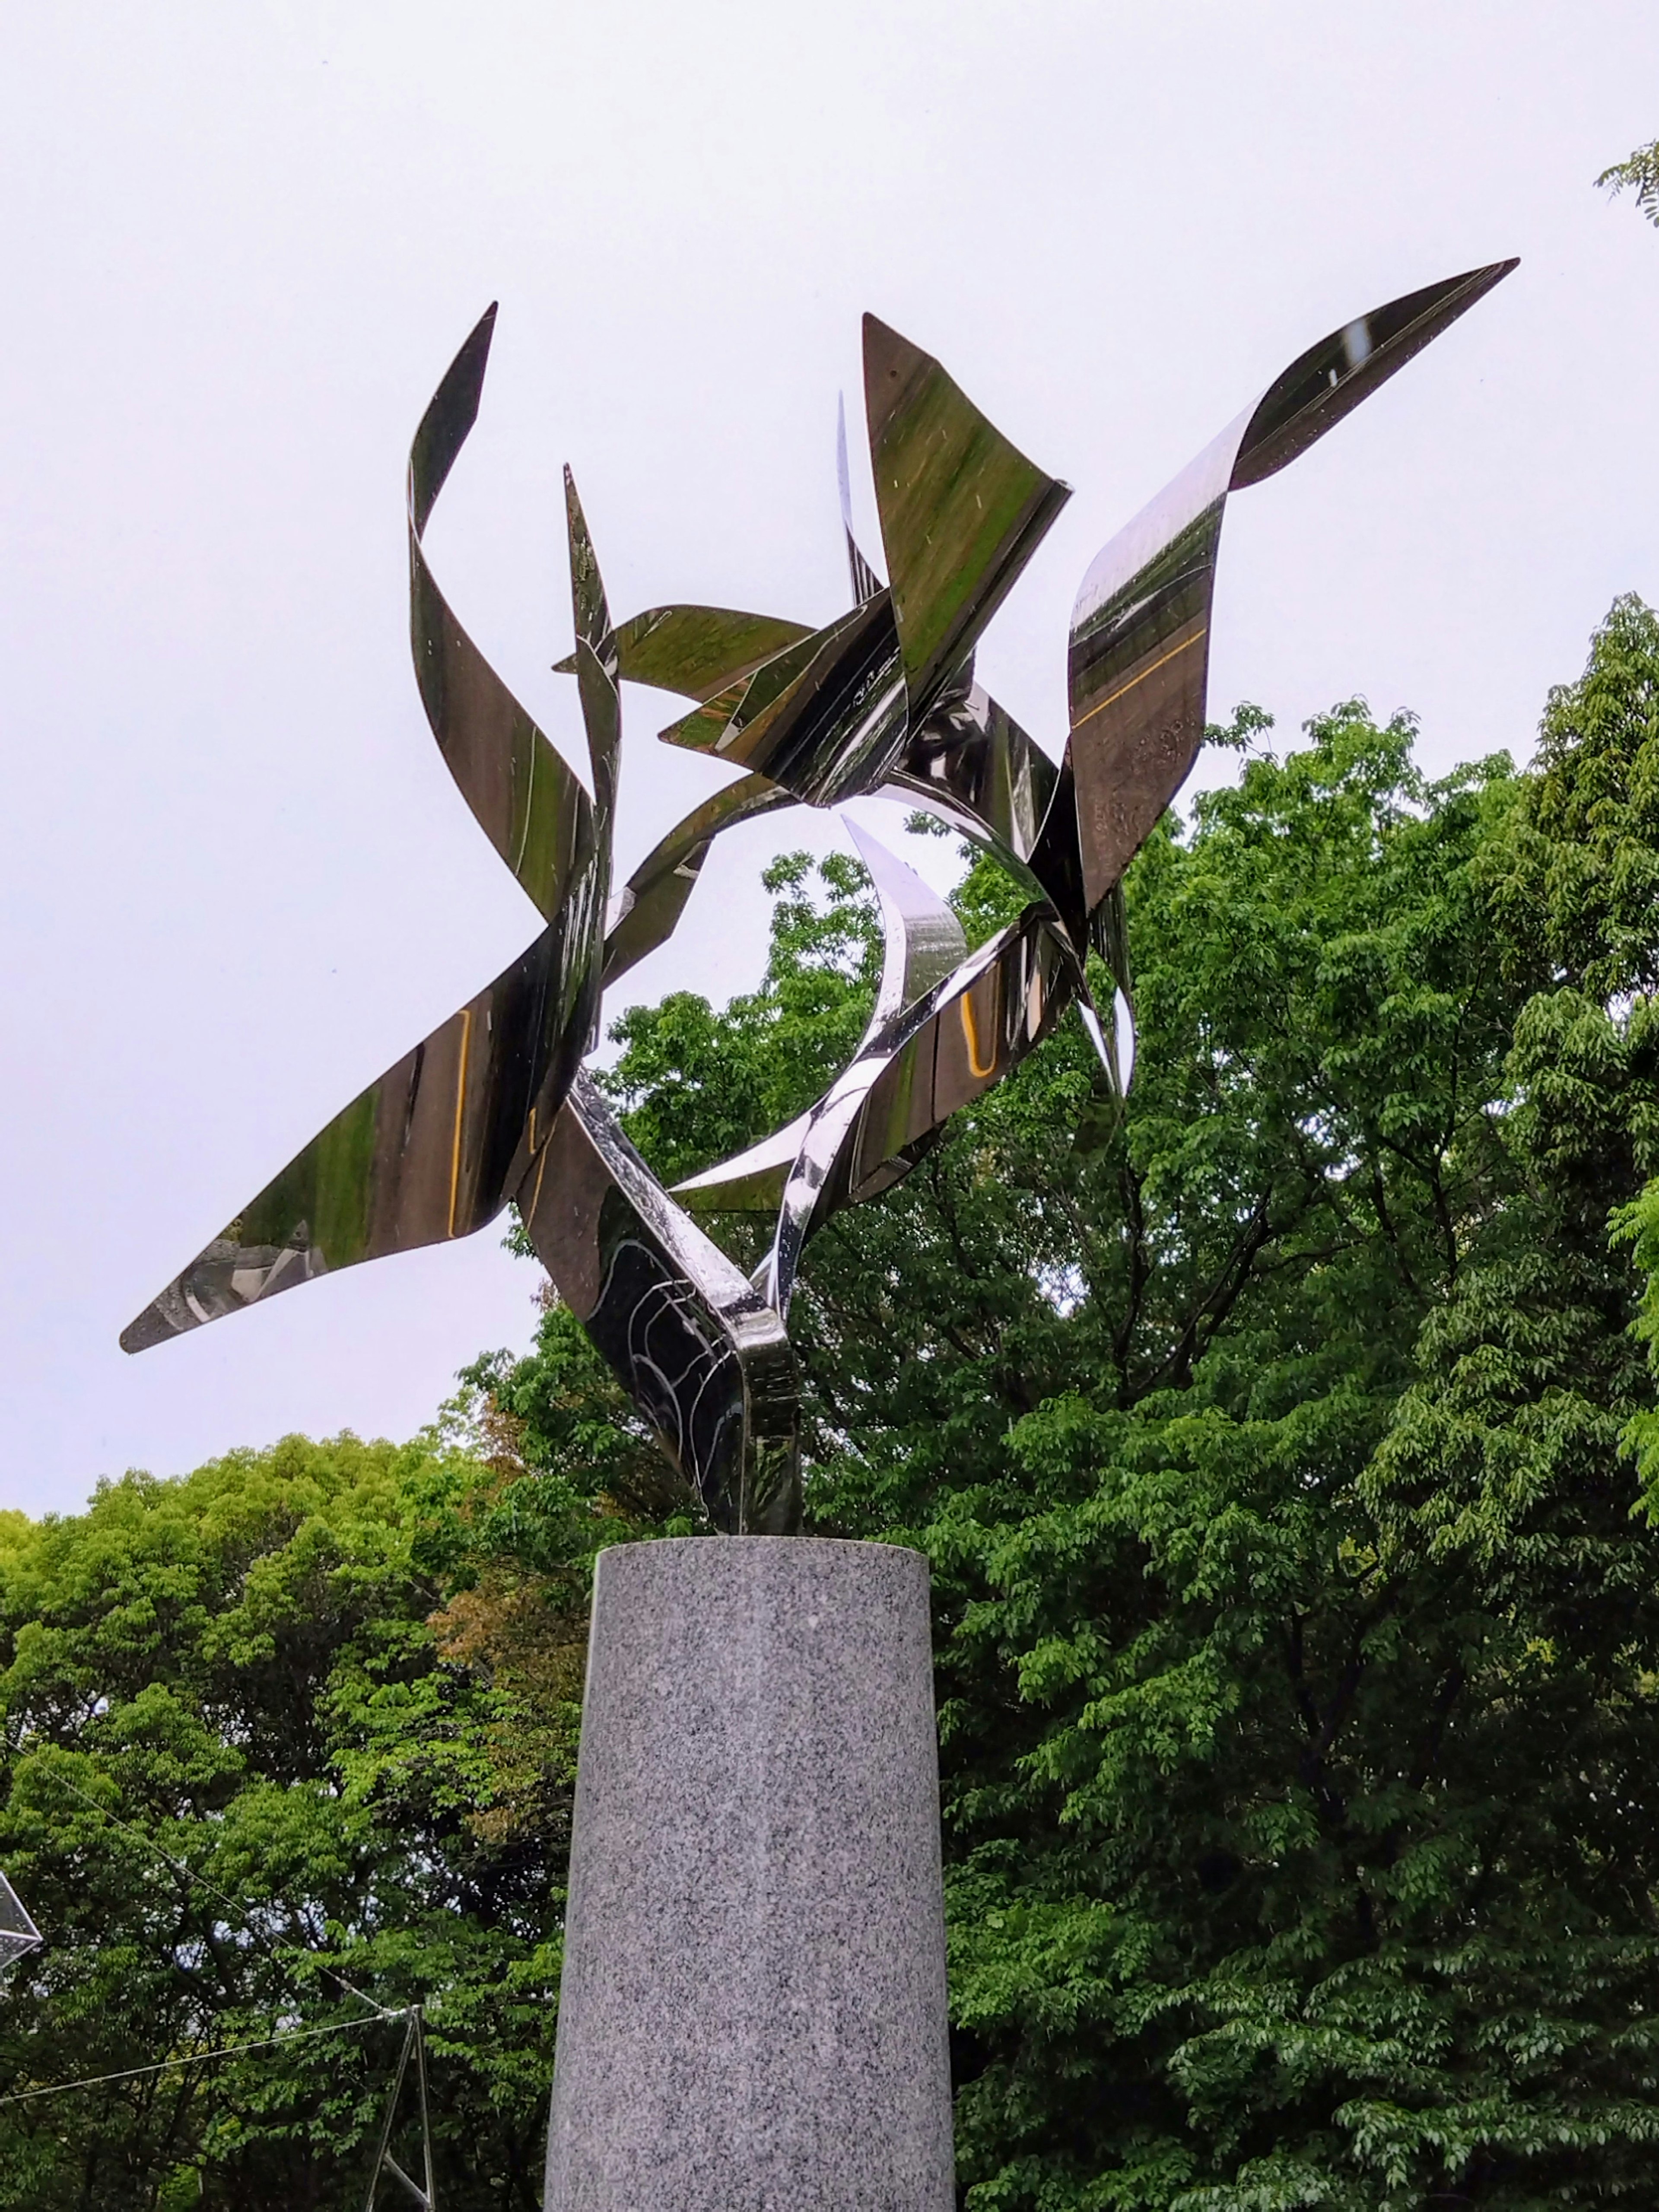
{"x": 239, "y": 246}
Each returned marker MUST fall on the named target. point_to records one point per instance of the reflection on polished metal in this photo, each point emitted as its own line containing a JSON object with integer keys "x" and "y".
{"x": 646, "y": 912}
{"x": 1139, "y": 645}
{"x": 922, "y": 949}
{"x": 866, "y": 582}
{"x": 436, "y": 1145}
{"x": 962, "y": 510}
{"x": 494, "y": 1106}
{"x": 702, "y": 1356}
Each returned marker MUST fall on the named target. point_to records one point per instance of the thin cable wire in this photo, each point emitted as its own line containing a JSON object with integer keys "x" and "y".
{"x": 180, "y": 1866}
{"x": 198, "y": 2058}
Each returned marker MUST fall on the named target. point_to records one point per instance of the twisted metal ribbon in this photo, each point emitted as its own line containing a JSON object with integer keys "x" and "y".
{"x": 495, "y": 1106}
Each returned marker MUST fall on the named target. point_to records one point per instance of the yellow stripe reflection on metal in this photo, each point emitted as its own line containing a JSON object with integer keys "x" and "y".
{"x": 1163, "y": 662}
{"x": 460, "y": 1108}
{"x": 970, "y": 1033}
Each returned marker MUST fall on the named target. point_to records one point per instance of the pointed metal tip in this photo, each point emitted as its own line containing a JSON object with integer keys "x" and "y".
{"x": 870, "y": 848}
{"x": 146, "y": 1330}
{"x": 450, "y": 415}
{"x": 894, "y": 879}
{"x": 889, "y": 352}
{"x": 466, "y": 371}
{"x": 1489, "y": 273}
{"x": 891, "y": 362}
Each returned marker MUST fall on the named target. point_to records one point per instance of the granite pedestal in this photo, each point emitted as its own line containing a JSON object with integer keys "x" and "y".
{"x": 752, "y": 2017}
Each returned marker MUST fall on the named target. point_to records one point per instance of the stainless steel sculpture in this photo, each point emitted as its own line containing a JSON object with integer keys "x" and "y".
{"x": 495, "y": 1105}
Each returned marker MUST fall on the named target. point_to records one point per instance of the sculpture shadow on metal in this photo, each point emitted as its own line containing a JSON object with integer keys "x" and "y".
{"x": 494, "y": 1106}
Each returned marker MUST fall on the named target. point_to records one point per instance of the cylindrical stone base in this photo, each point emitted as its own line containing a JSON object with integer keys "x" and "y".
{"x": 752, "y": 2017}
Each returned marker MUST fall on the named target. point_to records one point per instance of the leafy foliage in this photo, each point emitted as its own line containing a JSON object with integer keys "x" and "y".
{"x": 1295, "y": 1639}
{"x": 250, "y": 1776}
{"x": 1284, "y": 1446}
{"x": 1639, "y": 174}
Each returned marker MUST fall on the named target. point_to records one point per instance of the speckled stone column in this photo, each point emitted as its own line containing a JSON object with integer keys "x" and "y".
{"x": 752, "y": 2014}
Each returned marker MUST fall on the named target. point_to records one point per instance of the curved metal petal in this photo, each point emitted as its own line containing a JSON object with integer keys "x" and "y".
{"x": 924, "y": 943}
{"x": 429, "y": 1152}
{"x": 923, "y": 940}
{"x": 1138, "y": 659}
{"x": 962, "y": 510}
{"x": 825, "y": 718}
{"x": 524, "y": 797}
{"x": 596, "y": 661}
{"x": 881, "y": 1115}
{"x": 1322, "y": 384}
{"x": 698, "y": 650}
{"x": 866, "y": 582}
{"x": 1123, "y": 1031}
{"x": 969, "y": 763}
{"x": 700, "y": 1353}
{"x": 1139, "y": 643}
{"x": 647, "y": 910}
{"x": 752, "y": 1180}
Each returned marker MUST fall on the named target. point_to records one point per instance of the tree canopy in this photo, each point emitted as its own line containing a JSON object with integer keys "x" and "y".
{"x": 1283, "y": 1446}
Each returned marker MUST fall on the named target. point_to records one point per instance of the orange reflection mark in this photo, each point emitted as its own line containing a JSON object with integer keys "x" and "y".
{"x": 970, "y": 1033}
{"x": 1163, "y": 662}
{"x": 460, "y": 1105}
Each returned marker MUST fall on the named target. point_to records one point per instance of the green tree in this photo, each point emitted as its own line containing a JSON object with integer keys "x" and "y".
{"x": 250, "y": 1773}
{"x": 1279, "y": 1445}
{"x": 1296, "y": 1640}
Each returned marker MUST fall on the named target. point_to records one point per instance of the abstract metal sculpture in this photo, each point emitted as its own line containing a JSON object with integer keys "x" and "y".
{"x": 494, "y": 1106}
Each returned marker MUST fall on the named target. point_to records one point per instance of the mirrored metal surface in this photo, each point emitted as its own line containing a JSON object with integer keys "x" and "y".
{"x": 1320, "y": 386}
{"x": 878, "y": 1120}
{"x": 825, "y": 718}
{"x": 646, "y": 912}
{"x": 1139, "y": 656}
{"x": 698, "y": 650}
{"x": 432, "y": 1148}
{"x": 427, "y": 1153}
{"x": 865, "y": 581}
{"x": 527, "y": 802}
{"x": 495, "y": 1104}
{"x": 969, "y": 763}
{"x": 962, "y": 509}
{"x": 922, "y": 946}
{"x": 922, "y": 941}
{"x": 701, "y": 1354}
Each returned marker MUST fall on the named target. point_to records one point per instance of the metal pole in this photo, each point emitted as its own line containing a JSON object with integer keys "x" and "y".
{"x": 383, "y": 2147}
